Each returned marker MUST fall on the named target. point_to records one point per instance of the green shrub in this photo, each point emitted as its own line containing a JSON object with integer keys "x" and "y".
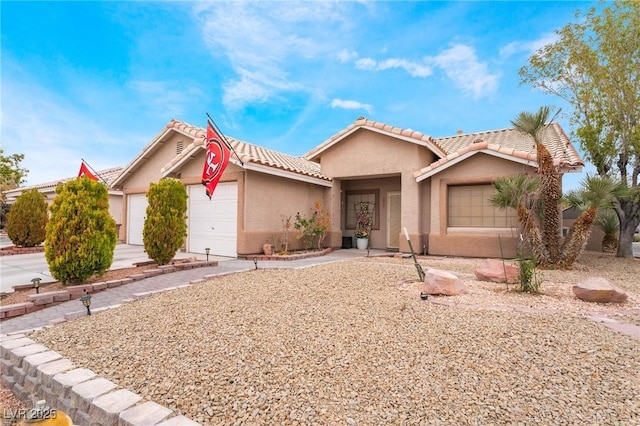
{"x": 529, "y": 281}
{"x": 27, "y": 219}
{"x": 81, "y": 234}
{"x": 165, "y": 226}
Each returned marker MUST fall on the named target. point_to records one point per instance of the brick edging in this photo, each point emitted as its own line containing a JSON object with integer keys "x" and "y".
{"x": 264, "y": 257}
{"x": 13, "y": 250}
{"x": 30, "y": 369}
{"x": 44, "y": 300}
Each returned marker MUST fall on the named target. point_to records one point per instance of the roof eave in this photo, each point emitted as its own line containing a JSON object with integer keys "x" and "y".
{"x": 133, "y": 165}
{"x": 274, "y": 171}
{"x": 316, "y": 152}
{"x": 452, "y": 162}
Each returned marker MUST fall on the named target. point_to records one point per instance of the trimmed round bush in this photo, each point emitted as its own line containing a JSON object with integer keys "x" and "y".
{"x": 27, "y": 219}
{"x": 81, "y": 234}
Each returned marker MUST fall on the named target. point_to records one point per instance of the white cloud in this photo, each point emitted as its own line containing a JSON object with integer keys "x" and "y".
{"x": 528, "y": 47}
{"x": 412, "y": 68}
{"x": 461, "y": 64}
{"x": 55, "y": 131}
{"x": 346, "y": 104}
{"x": 162, "y": 99}
{"x": 346, "y": 55}
{"x": 263, "y": 40}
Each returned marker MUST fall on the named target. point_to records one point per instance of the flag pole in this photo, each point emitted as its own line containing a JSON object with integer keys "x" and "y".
{"x": 94, "y": 172}
{"x": 213, "y": 124}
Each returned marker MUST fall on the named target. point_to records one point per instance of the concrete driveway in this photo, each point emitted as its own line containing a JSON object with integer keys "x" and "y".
{"x": 21, "y": 269}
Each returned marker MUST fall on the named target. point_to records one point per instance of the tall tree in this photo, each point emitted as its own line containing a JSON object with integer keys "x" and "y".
{"x": 12, "y": 174}
{"x": 595, "y": 66}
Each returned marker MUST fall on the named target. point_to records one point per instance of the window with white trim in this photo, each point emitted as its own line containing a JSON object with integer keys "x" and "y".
{"x": 470, "y": 206}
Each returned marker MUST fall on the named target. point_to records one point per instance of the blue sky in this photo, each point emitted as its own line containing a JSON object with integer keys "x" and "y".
{"x": 99, "y": 80}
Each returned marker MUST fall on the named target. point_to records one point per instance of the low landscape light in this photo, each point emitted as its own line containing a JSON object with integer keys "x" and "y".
{"x": 255, "y": 262}
{"x": 207, "y": 250}
{"x": 86, "y": 301}
{"x": 36, "y": 284}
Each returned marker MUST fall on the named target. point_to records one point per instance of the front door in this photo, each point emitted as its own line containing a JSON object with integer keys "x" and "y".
{"x": 393, "y": 220}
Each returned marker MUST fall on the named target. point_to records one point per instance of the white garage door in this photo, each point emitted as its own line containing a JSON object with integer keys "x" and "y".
{"x": 213, "y": 223}
{"x": 136, "y": 212}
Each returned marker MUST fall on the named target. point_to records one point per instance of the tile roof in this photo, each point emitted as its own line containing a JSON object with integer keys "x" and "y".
{"x": 107, "y": 174}
{"x": 247, "y": 153}
{"x": 406, "y": 134}
{"x": 507, "y": 142}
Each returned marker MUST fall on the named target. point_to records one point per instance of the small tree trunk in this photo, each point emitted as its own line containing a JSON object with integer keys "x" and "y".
{"x": 577, "y": 238}
{"x": 629, "y": 215}
{"x": 531, "y": 230}
{"x": 625, "y": 243}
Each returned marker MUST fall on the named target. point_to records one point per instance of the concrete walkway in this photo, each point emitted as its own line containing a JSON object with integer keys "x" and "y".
{"x": 116, "y": 296}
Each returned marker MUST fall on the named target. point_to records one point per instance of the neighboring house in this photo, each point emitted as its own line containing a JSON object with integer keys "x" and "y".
{"x": 49, "y": 191}
{"x": 438, "y": 188}
{"x": 569, "y": 216}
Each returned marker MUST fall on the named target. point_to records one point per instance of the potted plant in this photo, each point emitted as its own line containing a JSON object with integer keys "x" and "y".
{"x": 364, "y": 221}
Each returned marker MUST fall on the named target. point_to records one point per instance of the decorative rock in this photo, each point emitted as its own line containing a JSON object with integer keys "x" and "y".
{"x": 599, "y": 290}
{"x": 442, "y": 282}
{"x": 267, "y": 249}
{"x": 494, "y": 270}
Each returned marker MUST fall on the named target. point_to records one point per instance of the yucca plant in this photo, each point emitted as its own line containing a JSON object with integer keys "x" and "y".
{"x": 520, "y": 192}
{"x": 534, "y": 125}
{"x": 607, "y": 220}
{"x": 597, "y": 192}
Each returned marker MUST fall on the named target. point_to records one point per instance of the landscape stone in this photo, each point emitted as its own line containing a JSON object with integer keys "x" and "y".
{"x": 494, "y": 270}
{"x": 107, "y": 408}
{"x": 438, "y": 282}
{"x": 599, "y": 290}
{"x": 82, "y": 394}
{"x": 148, "y": 413}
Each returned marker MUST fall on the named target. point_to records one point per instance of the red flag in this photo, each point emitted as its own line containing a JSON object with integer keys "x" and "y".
{"x": 215, "y": 161}
{"x": 84, "y": 172}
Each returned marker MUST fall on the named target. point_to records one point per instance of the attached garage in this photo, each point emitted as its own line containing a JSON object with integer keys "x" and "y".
{"x": 213, "y": 223}
{"x": 136, "y": 213}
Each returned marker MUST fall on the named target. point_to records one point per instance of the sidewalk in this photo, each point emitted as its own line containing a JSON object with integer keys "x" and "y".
{"x": 116, "y": 296}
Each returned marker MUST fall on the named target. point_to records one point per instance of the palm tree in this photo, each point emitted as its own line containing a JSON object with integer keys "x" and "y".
{"x": 597, "y": 192}
{"x": 534, "y": 125}
{"x": 519, "y": 192}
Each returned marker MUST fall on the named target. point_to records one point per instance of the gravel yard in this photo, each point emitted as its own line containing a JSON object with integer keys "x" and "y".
{"x": 342, "y": 344}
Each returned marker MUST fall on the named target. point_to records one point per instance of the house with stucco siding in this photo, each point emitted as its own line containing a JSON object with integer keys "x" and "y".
{"x": 437, "y": 188}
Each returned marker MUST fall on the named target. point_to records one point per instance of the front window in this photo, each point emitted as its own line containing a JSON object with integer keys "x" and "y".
{"x": 469, "y": 206}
